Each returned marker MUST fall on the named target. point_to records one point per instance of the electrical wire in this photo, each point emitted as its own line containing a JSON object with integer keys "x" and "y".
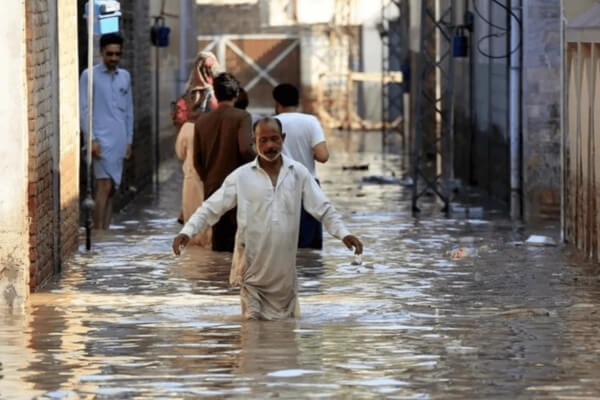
{"x": 504, "y": 30}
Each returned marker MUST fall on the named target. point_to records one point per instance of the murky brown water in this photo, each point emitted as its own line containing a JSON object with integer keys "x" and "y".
{"x": 129, "y": 320}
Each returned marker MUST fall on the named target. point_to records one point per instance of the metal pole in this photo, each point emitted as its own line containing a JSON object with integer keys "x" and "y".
{"x": 515, "y": 111}
{"x": 563, "y": 125}
{"x": 183, "y": 54}
{"x": 157, "y": 120}
{"x": 89, "y": 201}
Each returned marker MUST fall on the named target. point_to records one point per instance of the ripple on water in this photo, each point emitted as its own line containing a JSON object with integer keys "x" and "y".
{"x": 129, "y": 320}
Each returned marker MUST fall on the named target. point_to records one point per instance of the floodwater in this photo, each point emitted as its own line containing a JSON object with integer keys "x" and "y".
{"x": 130, "y": 321}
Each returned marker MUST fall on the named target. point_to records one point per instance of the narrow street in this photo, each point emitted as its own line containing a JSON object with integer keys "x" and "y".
{"x": 130, "y": 320}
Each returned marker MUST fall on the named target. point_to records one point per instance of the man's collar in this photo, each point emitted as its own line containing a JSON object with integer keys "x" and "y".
{"x": 104, "y": 68}
{"x": 286, "y": 162}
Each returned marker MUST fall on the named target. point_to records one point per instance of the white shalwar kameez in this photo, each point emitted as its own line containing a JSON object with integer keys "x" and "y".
{"x": 264, "y": 258}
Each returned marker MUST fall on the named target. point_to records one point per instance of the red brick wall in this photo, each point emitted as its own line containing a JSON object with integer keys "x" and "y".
{"x": 40, "y": 141}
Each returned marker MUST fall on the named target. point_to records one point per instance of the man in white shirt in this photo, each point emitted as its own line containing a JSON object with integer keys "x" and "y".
{"x": 267, "y": 192}
{"x": 305, "y": 143}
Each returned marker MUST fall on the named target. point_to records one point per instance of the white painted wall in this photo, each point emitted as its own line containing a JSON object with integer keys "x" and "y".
{"x": 370, "y": 16}
{"x": 14, "y": 232}
{"x": 574, "y": 9}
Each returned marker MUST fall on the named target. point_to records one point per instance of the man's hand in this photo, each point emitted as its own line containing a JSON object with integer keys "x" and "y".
{"x": 128, "y": 153}
{"x": 352, "y": 241}
{"x": 95, "y": 149}
{"x": 180, "y": 242}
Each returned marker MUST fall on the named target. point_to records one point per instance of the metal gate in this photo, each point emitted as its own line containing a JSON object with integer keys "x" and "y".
{"x": 582, "y": 182}
{"x": 259, "y": 61}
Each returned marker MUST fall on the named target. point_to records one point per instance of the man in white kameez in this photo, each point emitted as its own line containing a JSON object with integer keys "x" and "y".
{"x": 267, "y": 192}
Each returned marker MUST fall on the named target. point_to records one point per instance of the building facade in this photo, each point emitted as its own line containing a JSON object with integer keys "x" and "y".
{"x": 39, "y": 107}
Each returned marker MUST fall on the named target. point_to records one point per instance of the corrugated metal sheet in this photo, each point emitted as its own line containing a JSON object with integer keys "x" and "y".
{"x": 583, "y": 126}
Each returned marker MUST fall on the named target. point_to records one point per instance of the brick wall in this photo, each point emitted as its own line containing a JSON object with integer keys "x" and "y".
{"x": 541, "y": 109}
{"x": 41, "y": 131}
{"x": 53, "y": 125}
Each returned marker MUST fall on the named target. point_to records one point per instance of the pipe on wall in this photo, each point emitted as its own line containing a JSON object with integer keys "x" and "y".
{"x": 515, "y": 106}
{"x": 183, "y": 45}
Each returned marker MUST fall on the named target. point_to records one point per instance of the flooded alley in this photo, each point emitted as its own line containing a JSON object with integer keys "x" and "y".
{"x": 130, "y": 320}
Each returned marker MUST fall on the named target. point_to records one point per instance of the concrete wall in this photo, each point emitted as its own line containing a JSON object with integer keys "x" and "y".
{"x": 135, "y": 28}
{"x": 573, "y": 9}
{"x": 14, "y": 232}
{"x": 68, "y": 94}
{"x": 542, "y": 64}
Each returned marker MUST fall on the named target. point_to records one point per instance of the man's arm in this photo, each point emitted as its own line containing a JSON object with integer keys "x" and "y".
{"x": 83, "y": 103}
{"x": 321, "y": 152}
{"x": 129, "y": 114}
{"x": 208, "y": 214}
{"x": 245, "y": 138}
{"x": 319, "y": 206}
{"x": 317, "y": 139}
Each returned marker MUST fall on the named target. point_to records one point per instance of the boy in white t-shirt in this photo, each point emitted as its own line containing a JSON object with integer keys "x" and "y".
{"x": 305, "y": 143}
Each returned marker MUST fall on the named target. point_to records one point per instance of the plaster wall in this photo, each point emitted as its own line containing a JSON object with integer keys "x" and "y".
{"x": 14, "y": 252}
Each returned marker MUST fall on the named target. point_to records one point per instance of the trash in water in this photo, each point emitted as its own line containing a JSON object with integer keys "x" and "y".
{"x": 463, "y": 252}
{"x": 381, "y": 179}
{"x": 539, "y": 240}
{"x": 361, "y": 167}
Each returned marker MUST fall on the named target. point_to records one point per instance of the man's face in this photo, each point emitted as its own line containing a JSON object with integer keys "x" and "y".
{"x": 269, "y": 141}
{"x": 111, "y": 55}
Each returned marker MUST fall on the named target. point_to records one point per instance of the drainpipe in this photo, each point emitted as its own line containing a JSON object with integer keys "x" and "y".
{"x": 183, "y": 45}
{"x": 515, "y": 97}
{"x": 563, "y": 123}
{"x": 57, "y": 245}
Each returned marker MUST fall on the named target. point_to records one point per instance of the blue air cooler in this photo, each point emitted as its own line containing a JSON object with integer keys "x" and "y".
{"x": 106, "y": 16}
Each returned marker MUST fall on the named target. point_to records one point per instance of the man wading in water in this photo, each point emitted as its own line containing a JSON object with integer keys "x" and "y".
{"x": 267, "y": 192}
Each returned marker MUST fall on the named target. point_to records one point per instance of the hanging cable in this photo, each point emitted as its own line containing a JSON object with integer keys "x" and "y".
{"x": 504, "y": 30}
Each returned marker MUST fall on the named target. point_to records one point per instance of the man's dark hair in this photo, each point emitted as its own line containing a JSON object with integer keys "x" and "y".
{"x": 110, "y": 38}
{"x": 286, "y": 94}
{"x": 226, "y": 86}
{"x": 242, "y": 100}
{"x": 269, "y": 120}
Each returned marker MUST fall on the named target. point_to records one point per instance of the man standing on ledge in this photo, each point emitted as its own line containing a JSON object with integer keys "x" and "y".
{"x": 112, "y": 125}
{"x": 305, "y": 143}
{"x": 267, "y": 192}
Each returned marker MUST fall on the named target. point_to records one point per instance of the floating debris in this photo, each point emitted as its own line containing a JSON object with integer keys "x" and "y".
{"x": 463, "y": 252}
{"x": 539, "y": 240}
{"x": 361, "y": 167}
{"x": 381, "y": 179}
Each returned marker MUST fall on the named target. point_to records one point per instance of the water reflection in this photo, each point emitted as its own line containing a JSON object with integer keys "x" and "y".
{"x": 129, "y": 320}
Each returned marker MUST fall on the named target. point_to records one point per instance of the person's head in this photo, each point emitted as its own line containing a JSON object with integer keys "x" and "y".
{"x": 111, "y": 45}
{"x": 241, "y": 101}
{"x": 268, "y": 138}
{"x": 204, "y": 69}
{"x": 286, "y": 95}
{"x": 226, "y": 87}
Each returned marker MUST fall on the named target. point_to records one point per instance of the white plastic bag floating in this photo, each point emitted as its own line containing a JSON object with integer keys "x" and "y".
{"x": 539, "y": 240}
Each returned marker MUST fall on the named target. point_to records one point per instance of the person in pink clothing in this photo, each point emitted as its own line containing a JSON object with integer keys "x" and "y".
{"x": 193, "y": 188}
